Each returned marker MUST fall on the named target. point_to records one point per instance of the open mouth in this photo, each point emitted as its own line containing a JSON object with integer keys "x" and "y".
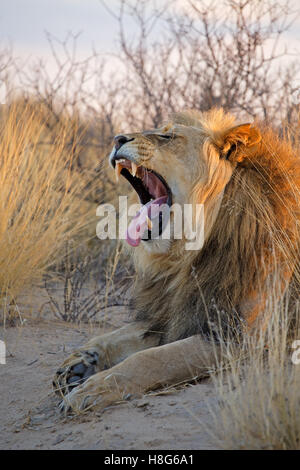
{"x": 155, "y": 197}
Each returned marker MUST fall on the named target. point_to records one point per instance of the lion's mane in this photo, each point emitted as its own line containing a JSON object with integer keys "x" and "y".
{"x": 253, "y": 241}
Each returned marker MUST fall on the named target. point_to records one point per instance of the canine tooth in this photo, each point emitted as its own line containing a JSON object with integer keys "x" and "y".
{"x": 118, "y": 169}
{"x": 133, "y": 168}
{"x": 149, "y": 223}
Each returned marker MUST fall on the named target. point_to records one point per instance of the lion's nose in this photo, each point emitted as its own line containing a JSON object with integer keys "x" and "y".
{"x": 121, "y": 140}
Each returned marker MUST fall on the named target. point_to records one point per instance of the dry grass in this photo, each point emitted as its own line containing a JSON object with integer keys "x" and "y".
{"x": 259, "y": 399}
{"x": 42, "y": 199}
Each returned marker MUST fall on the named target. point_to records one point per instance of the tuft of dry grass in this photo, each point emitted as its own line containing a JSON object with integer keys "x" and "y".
{"x": 258, "y": 398}
{"x": 42, "y": 201}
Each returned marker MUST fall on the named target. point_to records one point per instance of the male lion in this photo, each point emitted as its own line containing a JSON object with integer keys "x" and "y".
{"x": 248, "y": 181}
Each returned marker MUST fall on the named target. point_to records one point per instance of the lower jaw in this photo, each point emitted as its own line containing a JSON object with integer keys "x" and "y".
{"x": 157, "y": 247}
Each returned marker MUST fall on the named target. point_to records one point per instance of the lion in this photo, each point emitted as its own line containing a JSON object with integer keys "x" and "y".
{"x": 247, "y": 179}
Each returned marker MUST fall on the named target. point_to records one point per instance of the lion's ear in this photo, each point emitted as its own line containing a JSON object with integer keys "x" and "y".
{"x": 237, "y": 139}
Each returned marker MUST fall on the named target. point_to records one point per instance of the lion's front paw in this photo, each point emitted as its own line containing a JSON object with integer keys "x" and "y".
{"x": 75, "y": 370}
{"x": 96, "y": 392}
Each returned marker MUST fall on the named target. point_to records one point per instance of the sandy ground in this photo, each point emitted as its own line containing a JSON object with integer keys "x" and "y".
{"x": 29, "y": 418}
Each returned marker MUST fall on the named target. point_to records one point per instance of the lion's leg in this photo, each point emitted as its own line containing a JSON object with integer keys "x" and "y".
{"x": 100, "y": 353}
{"x": 146, "y": 370}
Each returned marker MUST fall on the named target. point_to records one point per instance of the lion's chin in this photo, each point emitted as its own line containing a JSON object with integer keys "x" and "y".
{"x": 160, "y": 246}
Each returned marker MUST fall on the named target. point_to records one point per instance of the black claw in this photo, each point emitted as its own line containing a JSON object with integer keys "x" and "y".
{"x": 78, "y": 373}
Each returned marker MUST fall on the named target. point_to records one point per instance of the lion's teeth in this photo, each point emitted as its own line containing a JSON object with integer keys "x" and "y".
{"x": 118, "y": 169}
{"x": 133, "y": 168}
{"x": 149, "y": 223}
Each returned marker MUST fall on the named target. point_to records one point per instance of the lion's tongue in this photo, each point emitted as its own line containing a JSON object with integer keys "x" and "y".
{"x": 139, "y": 223}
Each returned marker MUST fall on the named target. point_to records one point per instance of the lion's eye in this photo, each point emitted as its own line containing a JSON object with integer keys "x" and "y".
{"x": 166, "y": 136}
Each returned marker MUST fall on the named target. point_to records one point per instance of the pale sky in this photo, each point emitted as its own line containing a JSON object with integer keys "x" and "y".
{"x": 23, "y": 24}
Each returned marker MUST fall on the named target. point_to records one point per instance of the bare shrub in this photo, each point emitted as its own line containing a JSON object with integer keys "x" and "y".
{"x": 86, "y": 290}
{"x": 229, "y": 55}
